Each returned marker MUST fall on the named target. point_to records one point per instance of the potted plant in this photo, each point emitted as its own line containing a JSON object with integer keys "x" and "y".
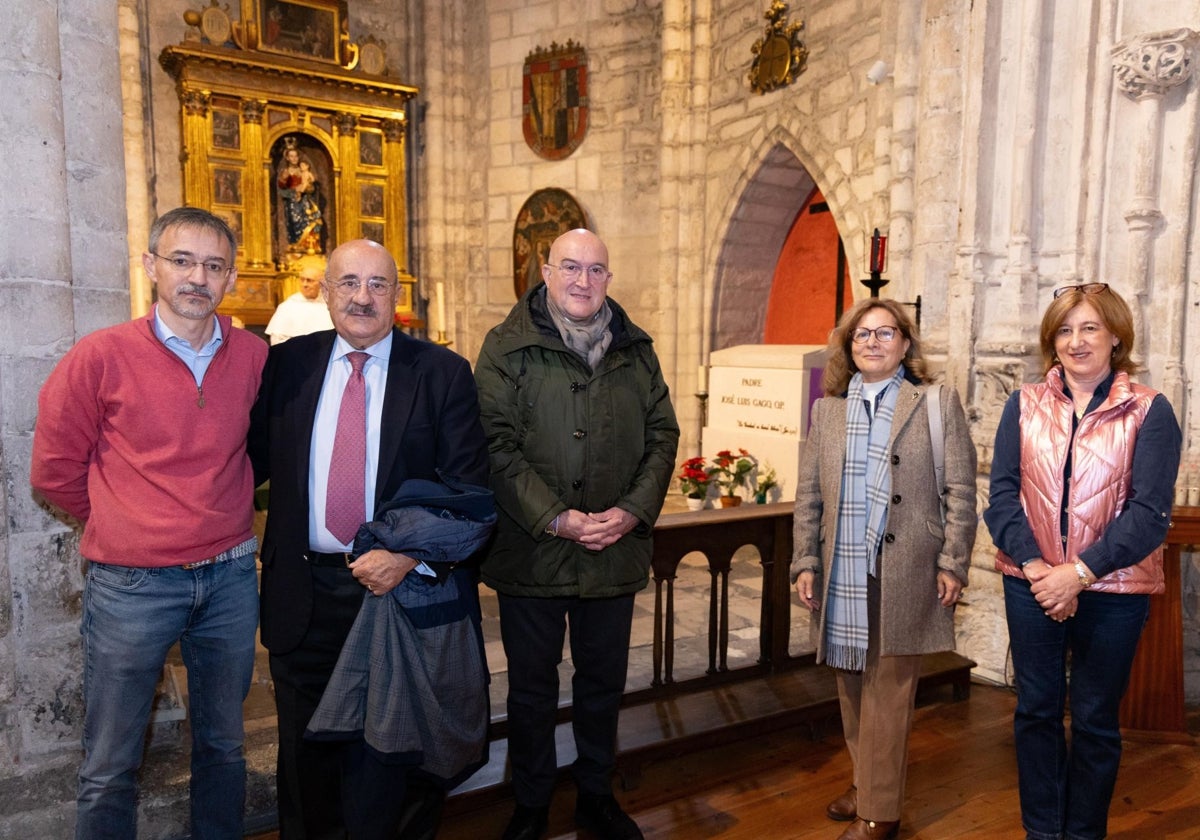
{"x": 766, "y": 480}
{"x": 731, "y": 473}
{"x": 694, "y": 479}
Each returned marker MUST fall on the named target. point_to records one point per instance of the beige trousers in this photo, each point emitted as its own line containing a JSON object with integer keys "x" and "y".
{"x": 877, "y": 713}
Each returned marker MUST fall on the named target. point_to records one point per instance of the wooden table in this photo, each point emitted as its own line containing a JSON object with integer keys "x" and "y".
{"x": 1153, "y": 705}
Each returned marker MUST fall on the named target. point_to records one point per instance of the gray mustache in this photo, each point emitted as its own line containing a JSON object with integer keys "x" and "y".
{"x": 189, "y": 289}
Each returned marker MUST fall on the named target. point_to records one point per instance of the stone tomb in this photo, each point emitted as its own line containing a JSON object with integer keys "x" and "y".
{"x": 759, "y": 398}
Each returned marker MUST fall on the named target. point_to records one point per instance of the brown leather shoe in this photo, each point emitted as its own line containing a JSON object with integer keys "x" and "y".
{"x": 862, "y": 829}
{"x": 845, "y": 807}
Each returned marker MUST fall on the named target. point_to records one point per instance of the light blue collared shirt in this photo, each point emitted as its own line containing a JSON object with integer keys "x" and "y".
{"x": 337, "y": 374}
{"x": 196, "y": 360}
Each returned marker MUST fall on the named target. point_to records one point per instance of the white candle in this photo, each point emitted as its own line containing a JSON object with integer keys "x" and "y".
{"x": 702, "y": 379}
{"x": 441, "y": 307}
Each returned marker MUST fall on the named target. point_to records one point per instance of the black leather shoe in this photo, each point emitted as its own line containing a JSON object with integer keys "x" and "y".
{"x": 601, "y": 815}
{"x": 527, "y": 823}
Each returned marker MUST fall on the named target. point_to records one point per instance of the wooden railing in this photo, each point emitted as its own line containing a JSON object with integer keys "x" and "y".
{"x": 718, "y": 535}
{"x": 669, "y": 717}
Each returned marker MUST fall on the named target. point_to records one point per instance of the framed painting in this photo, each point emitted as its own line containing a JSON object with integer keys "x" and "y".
{"x": 370, "y": 148}
{"x": 226, "y": 129}
{"x": 543, "y": 217}
{"x": 370, "y": 199}
{"x": 308, "y": 28}
{"x": 372, "y": 231}
{"x": 233, "y": 218}
{"x": 227, "y": 185}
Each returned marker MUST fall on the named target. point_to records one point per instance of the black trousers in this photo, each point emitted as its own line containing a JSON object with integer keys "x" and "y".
{"x": 533, "y": 630}
{"x": 338, "y": 790}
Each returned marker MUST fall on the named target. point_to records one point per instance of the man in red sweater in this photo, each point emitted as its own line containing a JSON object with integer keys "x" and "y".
{"x": 141, "y": 436}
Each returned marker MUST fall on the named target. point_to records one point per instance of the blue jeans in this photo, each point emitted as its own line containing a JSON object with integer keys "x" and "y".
{"x": 131, "y": 618}
{"x": 1065, "y": 792}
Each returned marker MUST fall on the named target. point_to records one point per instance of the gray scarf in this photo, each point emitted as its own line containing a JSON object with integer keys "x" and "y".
{"x": 587, "y": 339}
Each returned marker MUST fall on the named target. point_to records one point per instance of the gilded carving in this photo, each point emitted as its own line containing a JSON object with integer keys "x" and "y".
{"x": 346, "y": 123}
{"x": 393, "y": 130}
{"x": 195, "y": 102}
{"x": 779, "y": 56}
{"x": 243, "y": 104}
{"x": 252, "y": 110}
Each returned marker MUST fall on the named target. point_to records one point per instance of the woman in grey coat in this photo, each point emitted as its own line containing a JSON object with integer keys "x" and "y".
{"x": 880, "y": 556}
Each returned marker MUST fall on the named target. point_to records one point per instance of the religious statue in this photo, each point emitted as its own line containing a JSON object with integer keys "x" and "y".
{"x": 298, "y": 193}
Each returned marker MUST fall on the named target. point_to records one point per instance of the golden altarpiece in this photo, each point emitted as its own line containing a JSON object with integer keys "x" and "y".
{"x": 295, "y": 136}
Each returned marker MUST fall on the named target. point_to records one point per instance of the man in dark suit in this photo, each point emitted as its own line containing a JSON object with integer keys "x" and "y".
{"x": 421, "y": 416}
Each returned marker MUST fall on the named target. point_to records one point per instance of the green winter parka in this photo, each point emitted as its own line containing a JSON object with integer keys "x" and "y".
{"x": 560, "y": 437}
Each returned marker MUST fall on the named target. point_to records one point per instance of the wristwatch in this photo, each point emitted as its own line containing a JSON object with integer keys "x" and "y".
{"x": 1081, "y": 570}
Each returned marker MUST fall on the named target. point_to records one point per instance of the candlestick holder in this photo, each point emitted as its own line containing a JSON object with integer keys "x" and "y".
{"x": 703, "y": 397}
{"x": 875, "y": 282}
{"x": 441, "y": 339}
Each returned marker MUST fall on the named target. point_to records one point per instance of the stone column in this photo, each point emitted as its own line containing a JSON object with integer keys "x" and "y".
{"x": 1147, "y": 68}
{"x": 63, "y": 272}
{"x": 682, "y": 347}
{"x": 449, "y": 198}
{"x": 138, "y": 161}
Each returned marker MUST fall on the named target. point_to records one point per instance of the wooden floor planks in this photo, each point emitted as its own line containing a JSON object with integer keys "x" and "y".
{"x": 961, "y": 786}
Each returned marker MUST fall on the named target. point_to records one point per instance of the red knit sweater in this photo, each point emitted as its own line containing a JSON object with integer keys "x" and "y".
{"x": 155, "y": 468}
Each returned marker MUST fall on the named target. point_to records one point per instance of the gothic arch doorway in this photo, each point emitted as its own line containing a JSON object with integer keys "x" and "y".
{"x": 778, "y": 270}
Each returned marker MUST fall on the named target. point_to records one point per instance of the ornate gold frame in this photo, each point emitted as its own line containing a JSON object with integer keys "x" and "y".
{"x": 239, "y": 102}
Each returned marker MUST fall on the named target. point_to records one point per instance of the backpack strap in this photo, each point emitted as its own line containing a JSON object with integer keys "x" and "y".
{"x": 933, "y": 408}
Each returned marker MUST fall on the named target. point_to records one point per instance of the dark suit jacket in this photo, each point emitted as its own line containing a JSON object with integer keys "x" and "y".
{"x": 430, "y": 426}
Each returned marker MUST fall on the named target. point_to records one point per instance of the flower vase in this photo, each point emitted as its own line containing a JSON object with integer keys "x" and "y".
{"x": 760, "y": 498}
{"x": 730, "y": 501}
{"x": 695, "y": 502}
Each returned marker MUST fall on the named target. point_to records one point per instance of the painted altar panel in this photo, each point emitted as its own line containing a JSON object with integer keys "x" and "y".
{"x": 298, "y": 150}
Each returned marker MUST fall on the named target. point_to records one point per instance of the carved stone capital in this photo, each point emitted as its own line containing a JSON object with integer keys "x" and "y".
{"x": 1150, "y": 65}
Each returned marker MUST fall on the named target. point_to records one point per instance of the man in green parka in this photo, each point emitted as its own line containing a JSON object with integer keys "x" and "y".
{"x": 582, "y": 439}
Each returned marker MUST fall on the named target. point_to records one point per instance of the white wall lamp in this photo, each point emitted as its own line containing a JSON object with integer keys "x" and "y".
{"x": 878, "y": 72}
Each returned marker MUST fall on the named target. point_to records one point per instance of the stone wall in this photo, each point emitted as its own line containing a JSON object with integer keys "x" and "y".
{"x": 1013, "y": 147}
{"x": 63, "y": 273}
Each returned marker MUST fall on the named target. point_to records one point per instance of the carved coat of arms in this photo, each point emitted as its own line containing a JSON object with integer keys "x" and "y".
{"x": 554, "y": 100}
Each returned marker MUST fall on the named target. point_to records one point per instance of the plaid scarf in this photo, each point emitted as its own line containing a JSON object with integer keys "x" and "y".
{"x": 866, "y": 487}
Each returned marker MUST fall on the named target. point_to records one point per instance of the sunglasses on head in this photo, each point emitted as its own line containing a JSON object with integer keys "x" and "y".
{"x": 1086, "y": 288}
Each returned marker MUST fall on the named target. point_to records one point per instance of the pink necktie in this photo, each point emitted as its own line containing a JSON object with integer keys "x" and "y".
{"x": 348, "y": 464}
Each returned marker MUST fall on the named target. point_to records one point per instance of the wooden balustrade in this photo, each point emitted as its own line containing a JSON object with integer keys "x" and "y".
{"x": 670, "y": 717}
{"x": 718, "y": 534}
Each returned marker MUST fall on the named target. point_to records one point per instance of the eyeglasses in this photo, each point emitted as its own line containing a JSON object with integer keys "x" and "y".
{"x": 885, "y": 334}
{"x": 347, "y": 287}
{"x": 1086, "y": 288}
{"x": 182, "y": 265}
{"x": 596, "y": 272}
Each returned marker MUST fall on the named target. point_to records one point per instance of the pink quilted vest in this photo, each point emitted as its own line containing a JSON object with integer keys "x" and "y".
{"x": 1100, "y": 478}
